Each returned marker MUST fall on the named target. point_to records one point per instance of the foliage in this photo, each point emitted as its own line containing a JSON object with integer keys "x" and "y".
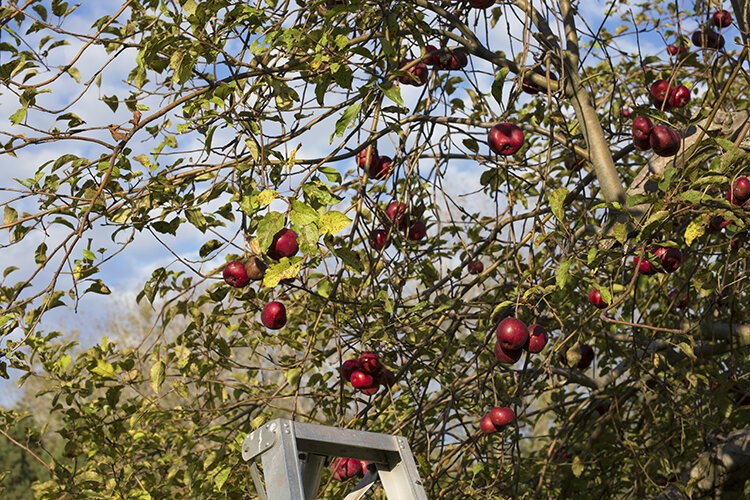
{"x": 217, "y": 139}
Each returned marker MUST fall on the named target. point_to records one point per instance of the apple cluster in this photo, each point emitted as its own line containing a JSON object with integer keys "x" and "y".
{"x": 664, "y": 96}
{"x": 397, "y": 214}
{"x": 239, "y": 274}
{"x": 416, "y": 74}
{"x": 377, "y": 167}
{"x": 513, "y": 337}
{"x": 347, "y": 468}
{"x": 706, "y": 37}
{"x": 366, "y": 373}
{"x": 668, "y": 258}
{"x": 497, "y": 418}
{"x": 448, "y": 59}
{"x": 663, "y": 139}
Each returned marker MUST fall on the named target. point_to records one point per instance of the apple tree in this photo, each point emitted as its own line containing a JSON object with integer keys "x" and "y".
{"x": 514, "y": 232}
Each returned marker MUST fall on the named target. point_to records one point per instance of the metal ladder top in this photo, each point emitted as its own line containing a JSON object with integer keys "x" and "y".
{"x": 293, "y": 454}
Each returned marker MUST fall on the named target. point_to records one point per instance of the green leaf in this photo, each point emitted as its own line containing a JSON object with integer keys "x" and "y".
{"x": 346, "y": 118}
{"x": 620, "y": 230}
{"x": 75, "y": 74}
{"x": 350, "y": 258}
{"x": 556, "y": 200}
{"x": 394, "y": 94}
{"x": 157, "y": 376}
{"x": 10, "y": 215}
{"x": 695, "y": 229}
{"x": 196, "y": 218}
{"x": 562, "y": 278}
{"x": 332, "y": 222}
{"x": 577, "y": 466}
{"x": 497, "y": 85}
{"x": 221, "y": 478}
{"x": 104, "y": 369}
{"x": 266, "y": 197}
{"x": 18, "y": 116}
{"x": 302, "y": 214}
{"x": 209, "y": 247}
{"x": 691, "y": 196}
{"x": 284, "y": 269}
{"x": 593, "y": 252}
{"x": 269, "y": 225}
{"x": 308, "y": 237}
{"x": 189, "y": 6}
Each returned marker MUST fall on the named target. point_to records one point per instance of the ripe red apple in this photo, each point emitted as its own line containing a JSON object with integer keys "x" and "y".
{"x": 508, "y": 357}
{"x": 675, "y": 49}
{"x": 398, "y": 213}
{"x": 627, "y": 112}
{"x": 367, "y": 157}
{"x": 255, "y": 268}
{"x": 532, "y": 88}
{"x": 386, "y": 378}
{"x": 679, "y": 96}
{"x": 741, "y": 190}
{"x": 348, "y": 367}
{"x": 500, "y": 416}
{"x": 596, "y": 300}
{"x": 665, "y": 141}
{"x": 486, "y": 425}
{"x": 284, "y": 244}
{"x": 370, "y": 363}
{"x": 659, "y": 92}
{"x": 457, "y": 59}
{"x": 381, "y": 168}
{"x": 708, "y": 39}
{"x": 417, "y": 231}
{"x": 416, "y": 75}
{"x": 379, "y": 239}
{"x": 512, "y": 334}
{"x": 716, "y": 224}
{"x": 721, "y": 18}
{"x": 669, "y": 258}
{"x": 481, "y": 4}
{"x": 235, "y": 274}
{"x": 642, "y": 127}
{"x": 475, "y": 267}
{"x": 505, "y": 138}
{"x": 362, "y": 380}
{"x": 587, "y": 356}
{"x": 645, "y": 267}
{"x": 370, "y": 390}
{"x": 537, "y": 339}
{"x": 347, "y": 468}
{"x": 274, "y": 315}
{"x": 433, "y": 55}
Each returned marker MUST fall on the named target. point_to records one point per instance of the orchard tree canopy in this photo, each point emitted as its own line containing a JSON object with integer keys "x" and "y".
{"x": 362, "y": 208}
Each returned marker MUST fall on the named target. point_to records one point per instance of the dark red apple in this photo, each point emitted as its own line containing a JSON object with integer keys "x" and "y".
{"x": 481, "y": 4}
{"x": 741, "y": 190}
{"x": 255, "y": 268}
{"x": 716, "y": 224}
{"x": 505, "y": 138}
{"x": 381, "y": 168}
{"x": 708, "y": 39}
{"x": 587, "y": 356}
{"x": 475, "y": 267}
{"x": 398, "y": 213}
{"x": 659, "y": 92}
{"x": 432, "y": 54}
{"x": 417, "y": 230}
{"x": 679, "y": 96}
{"x": 454, "y": 59}
{"x": 537, "y": 339}
{"x": 669, "y": 258}
{"x": 721, "y": 18}
{"x": 512, "y": 334}
{"x": 348, "y": 367}
{"x": 486, "y": 425}
{"x": 500, "y": 416}
{"x": 532, "y": 88}
{"x": 642, "y": 127}
{"x": 645, "y": 267}
{"x": 235, "y": 274}
{"x": 379, "y": 239}
{"x": 508, "y": 357}
{"x": 416, "y": 75}
{"x": 367, "y": 157}
{"x": 284, "y": 244}
{"x": 369, "y": 391}
{"x": 361, "y": 380}
{"x": 370, "y": 363}
{"x": 386, "y": 378}
{"x": 596, "y": 300}
{"x": 675, "y": 49}
{"x": 665, "y": 141}
{"x": 274, "y": 315}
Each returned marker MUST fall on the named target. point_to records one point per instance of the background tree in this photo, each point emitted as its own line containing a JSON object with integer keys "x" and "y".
{"x": 213, "y": 141}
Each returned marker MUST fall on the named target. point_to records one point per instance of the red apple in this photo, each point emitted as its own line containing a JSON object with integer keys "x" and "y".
{"x": 645, "y": 267}
{"x": 505, "y": 138}
{"x": 457, "y": 59}
{"x": 361, "y": 380}
{"x": 475, "y": 267}
{"x": 348, "y": 367}
{"x": 369, "y": 391}
{"x": 508, "y": 357}
{"x": 381, "y": 168}
{"x": 665, "y": 141}
{"x": 587, "y": 356}
{"x": 512, "y": 334}
{"x": 370, "y": 363}
{"x": 367, "y": 157}
{"x": 284, "y": 244}
{"x": 235, "y": 274}
{"x": 486, "y": 425}
{"x": 659, "y": 92}
{"x": 627, "y": 112}
{"x": 532, "y": 88}
{"x": 708, "y": 39}
{"x": 669, "y": 258}
{"x": 675, "y": 49}
{"x": 537, "y": 339}
{"x": 596, "y": 300}
{"x": 386, "y": 378}
{"x": 347, "y": 468}
{"x": 416, "y": 75}
{"x": 741, "y": 190}
{"x": 274, "y": 315}
{"x": 398, "y": 214}
{"x": 481, "y": 4}
{"x": 433, "y": 55}
{"x": 679, "y": 96}
{"x": 721, "y": 18}
{"x": 379, "y": 239}
{"x": 417, "y": 231}
{"x": 642, "y": 127}
{"x": 716, "y": 224}
{"x": 500, "y": 416}
{"x": 255, "y": 268}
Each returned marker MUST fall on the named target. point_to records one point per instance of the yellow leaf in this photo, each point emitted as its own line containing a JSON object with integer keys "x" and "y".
{"x": 332, "y": 222}
{"x": 266, "y": 197}
{"x": 695, "y": 229}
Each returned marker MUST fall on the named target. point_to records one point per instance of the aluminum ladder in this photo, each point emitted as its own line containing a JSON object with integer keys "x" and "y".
{"x": 293, "y": 454}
